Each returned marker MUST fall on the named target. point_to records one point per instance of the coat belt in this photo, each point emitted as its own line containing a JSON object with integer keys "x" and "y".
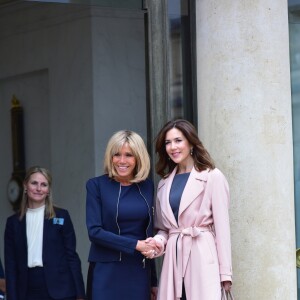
{"x": 183, "y": 251}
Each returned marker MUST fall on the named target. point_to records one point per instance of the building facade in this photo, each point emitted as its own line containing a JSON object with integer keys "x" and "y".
{"x": 82, "y": 72}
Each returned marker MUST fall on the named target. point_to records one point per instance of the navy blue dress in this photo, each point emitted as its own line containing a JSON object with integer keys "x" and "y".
{"x": 126, "y": 217}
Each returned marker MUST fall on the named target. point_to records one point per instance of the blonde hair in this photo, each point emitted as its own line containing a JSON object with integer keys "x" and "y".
{"x": 49, "y": 208}
{"x": 138, "y": 149}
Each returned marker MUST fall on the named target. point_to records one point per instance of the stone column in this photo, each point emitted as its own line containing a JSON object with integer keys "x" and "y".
{"x": 244, "y": 109}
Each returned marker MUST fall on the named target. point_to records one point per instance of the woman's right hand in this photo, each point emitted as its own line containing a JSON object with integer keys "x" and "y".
{"x": 145, "y": 246}
{"x": 152, "y": 248}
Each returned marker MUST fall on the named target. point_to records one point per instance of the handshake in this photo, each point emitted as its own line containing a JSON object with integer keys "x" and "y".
{"x": 150, "y": 247}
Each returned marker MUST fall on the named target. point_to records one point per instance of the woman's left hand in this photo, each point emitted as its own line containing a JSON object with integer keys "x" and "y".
{"x": 227, "y": 285}
{"x": 154, "y": 291}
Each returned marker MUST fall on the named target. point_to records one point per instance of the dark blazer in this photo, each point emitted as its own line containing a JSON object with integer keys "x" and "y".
{"x": 101, "y": 213}
{"x": 62, "y": 265}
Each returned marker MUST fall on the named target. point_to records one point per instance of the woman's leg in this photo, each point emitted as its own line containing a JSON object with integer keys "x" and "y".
{"x": 183, "y": 293}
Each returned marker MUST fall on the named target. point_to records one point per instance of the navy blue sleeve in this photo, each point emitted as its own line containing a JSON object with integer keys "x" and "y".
{"x": 10, "y": 257}
{"x": 97, "y": 233}
{"x": 72, "y": 256}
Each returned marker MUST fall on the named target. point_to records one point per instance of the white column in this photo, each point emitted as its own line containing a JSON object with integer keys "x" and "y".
{"x": 244, "y": 104}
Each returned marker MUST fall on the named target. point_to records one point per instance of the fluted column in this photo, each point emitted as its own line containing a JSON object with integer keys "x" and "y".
{"x": 244, "y": 109}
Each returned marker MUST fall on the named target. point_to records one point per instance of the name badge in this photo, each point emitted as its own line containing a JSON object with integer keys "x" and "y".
{"x": 58, "y": 221}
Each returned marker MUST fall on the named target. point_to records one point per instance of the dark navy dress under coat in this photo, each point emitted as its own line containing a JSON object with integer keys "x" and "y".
{"x": 117, "y": 217}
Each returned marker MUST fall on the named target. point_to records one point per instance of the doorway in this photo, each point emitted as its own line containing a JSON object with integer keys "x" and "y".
{"x": 84, "y": 68}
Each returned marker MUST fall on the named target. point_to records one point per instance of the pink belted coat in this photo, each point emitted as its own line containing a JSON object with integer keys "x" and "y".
{"x": 198, "y": 249}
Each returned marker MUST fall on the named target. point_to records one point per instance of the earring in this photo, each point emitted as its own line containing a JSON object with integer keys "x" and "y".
{"x": 25, "y": 191}
{"x": 191, "y": 152}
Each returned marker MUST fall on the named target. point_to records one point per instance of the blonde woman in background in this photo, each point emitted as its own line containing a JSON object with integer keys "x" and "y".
{"x": 41, "y": 262}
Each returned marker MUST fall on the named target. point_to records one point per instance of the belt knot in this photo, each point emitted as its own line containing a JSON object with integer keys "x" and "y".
{"x": 183, "y": 251}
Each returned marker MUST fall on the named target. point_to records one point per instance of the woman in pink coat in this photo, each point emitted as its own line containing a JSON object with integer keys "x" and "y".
{"x": 191, "y": 218}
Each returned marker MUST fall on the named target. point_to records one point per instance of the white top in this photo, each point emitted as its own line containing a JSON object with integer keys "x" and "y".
{"x": 34, "y": 231}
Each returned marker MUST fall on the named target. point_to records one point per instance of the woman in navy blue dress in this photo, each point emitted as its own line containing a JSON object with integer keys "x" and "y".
{"x": 119, "y": 218}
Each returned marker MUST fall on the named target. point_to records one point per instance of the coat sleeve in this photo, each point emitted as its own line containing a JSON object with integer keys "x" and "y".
{"x": 97, "y": 233}
{"x": 162, "y": 232}
{"x": 10, "y": 261}
{"x": 72, "y": 256}
{"x": 220, "y": 206}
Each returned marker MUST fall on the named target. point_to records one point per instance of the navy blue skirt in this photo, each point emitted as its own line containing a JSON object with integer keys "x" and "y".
{"x": 127, "y": 279}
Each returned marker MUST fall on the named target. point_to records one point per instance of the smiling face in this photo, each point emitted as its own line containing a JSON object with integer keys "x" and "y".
{"x": 178, "y": 148}
{"x": 37, "y": 190}
{"x": 124, "y": 163}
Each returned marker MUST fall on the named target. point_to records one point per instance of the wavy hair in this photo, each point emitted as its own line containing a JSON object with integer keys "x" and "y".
{"x": 202, "y": 159}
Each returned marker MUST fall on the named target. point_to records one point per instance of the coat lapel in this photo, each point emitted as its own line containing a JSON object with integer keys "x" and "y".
{"x": 46, "y": 231}
{"x": 163, "y": 195}
{"x": 23, "y": 238}
{"x": 21, "y": 241}
{"x": 193, "y": 189}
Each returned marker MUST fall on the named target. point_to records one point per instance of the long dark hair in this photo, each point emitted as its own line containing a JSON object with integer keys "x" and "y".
{"x": 202, "y": 159}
